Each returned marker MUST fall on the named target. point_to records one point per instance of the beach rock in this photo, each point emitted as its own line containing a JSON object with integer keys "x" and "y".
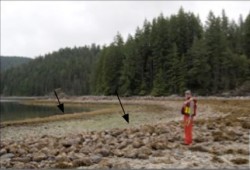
{"x": 216, "y": 159}
{"x": 39, "y": 157}
{"x": 122, "y": 145}
{"x": 137, "y": 144}
{"x": 116, "y": 132}
{"x": 158, "y": 145}
{"x": 19, "y": 165}
{"x": 3, "y": 151}
{"x": 121, "y": 165}
{"x": 85, "y": 150}
{"x": 118, "y": 153}
{"x": 131, "y": 154}
{"x": 104, "y": 152}
{"x": 64, "y": 165}
{"x": 147, "y": 129}
{"x": 62, "y": 157}
{"x": 243, "y": 152}
{"x": 157, "y": 153}
{"x": 142, "y": 156}
{"x": 198, "y": 148}
{"x": 239, "y": 161}
{"x": 145, "y": 150}
{"x": 161, "y": 160}
{"x": 7, "y": 155}
{"x": 246, "y": 125}
{"x": 85, "y": 161}
{"x": 105, "y": 164}
{"x": 96, "y": 158}
{"x": 22, "y": 159}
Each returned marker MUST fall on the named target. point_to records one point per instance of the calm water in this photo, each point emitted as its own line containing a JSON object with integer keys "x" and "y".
{"x": 14, "y": 110}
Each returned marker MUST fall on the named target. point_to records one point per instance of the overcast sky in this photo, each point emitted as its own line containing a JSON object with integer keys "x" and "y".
{"x": 33, "y": 28}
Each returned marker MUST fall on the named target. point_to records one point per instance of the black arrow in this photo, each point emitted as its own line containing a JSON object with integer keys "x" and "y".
{"x": 60, "y": 106}
{"x": 125, "y": 116}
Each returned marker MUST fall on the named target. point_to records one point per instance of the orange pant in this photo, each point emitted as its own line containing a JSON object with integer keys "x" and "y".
{"x": 188, "y": 130}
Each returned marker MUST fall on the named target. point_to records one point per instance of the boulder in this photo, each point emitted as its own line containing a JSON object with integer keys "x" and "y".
{"x": 85, "y": 161}
{"x": 64, "y": 165}
{"x": 142, "y": 156}
{"x": 121, "y": 165}
{"x": 137, "y": 144}
{"x": 122, "y": 145}
{"x": 104, "y": 152}
{"x": 22, "y": 159}
{"x": 96, "y": 158}
{"x": 158, "y": 145}
{"x": 118, "y": 152}
{"x": 240, "y": 161}
{"x": 3, "y": 151}
{"x": 7, "y": 155}
{"x": 19, "y": 165}
{"x": 39, "y": 157}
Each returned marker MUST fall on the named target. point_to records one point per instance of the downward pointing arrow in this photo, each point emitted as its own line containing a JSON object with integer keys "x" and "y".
{"x": 60, "y": 106}
{"x": 125, "y": 116}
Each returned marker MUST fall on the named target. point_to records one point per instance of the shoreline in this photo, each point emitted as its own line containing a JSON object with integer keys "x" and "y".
{"x": 152, "y": 139}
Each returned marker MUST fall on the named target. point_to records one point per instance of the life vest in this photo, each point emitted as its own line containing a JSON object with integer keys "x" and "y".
{"x": 186, "y": 110}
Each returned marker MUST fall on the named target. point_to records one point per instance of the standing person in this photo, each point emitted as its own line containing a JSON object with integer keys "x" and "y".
{"x": 189, "y": 111}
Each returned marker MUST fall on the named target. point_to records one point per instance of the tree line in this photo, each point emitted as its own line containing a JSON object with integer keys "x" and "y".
{"x": 163, "y": 57}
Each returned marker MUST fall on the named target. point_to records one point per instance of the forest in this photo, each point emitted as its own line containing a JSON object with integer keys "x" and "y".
{"x": 8, "y": 62}
{"x": 165, "y": 56}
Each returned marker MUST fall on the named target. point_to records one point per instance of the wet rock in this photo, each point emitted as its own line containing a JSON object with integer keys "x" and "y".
{"x": 199, "y": 140}
{"x": 121, "y": 165}
{"x": 7, "y": 155}
{"x": 145, "y": 150}
{"x": 116, "y": 132}
{"x": 246, "y": 125}
{"x": 147, "y": 129}
{"x": 243, "y": 152}
{"x": 161, "y": 160}
{"x": 62, "y": 157}
{"x": 64, "y": 165}
{"x": 239, "y": 161}
{"x": 96, "y": 158}
{"x": 142, "y": 156}
{"x": 198, "y": 148}
{"x": 85, "y": 150}
{"x": 158, "y": 145}
{"x": 229, "y": 151}
{"x": 137, "y": 144}
{"x": 3, "y": 151}
{"x": 104, "y": 152}
{"x": 216, "y": 159}
{"x": 118, "y": 153}
{"x": 161, "y": 130}
{"x": 105, "y": 164}
{"x": 210, "y": 127}
{"x": 69, "y": 142}
{"x": 39, "y": 156}
{"x": 22, "y": 151}
{"x": 82, "y": 162}
{"x": 31, "y": 166}
{"x": 122, "y": 145}
{"x": 19, "y": 165}
{"x": 131, "y": 154}
{"x": 22, "y": 159}
{"x": 157, "y": 153}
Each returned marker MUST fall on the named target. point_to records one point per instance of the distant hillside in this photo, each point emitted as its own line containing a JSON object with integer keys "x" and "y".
{"x": 10, "y": 62}
{"x": 68, "y": 68}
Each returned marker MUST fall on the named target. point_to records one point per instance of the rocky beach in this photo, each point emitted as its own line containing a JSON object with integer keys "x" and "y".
{"x": 152, "y": 140}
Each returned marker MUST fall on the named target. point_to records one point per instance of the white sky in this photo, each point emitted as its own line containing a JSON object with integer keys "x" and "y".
{"x": 33, "y": 28}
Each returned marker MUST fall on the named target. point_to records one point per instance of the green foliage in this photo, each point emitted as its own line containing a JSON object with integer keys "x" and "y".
{"x": 10, "y": 62}
{"x": 165, "y": 56}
